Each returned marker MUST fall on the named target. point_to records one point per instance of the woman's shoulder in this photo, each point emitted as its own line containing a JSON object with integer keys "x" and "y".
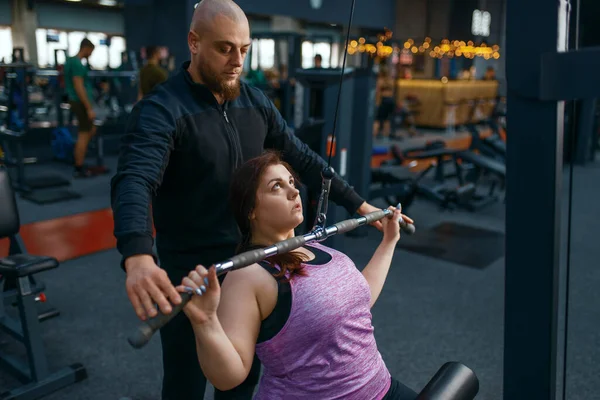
{"x": 257, "y": 283}
{"x": 254, "y": 274}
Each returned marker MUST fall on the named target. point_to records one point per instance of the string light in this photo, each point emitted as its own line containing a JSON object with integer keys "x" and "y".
{"x": 445, "y": 48}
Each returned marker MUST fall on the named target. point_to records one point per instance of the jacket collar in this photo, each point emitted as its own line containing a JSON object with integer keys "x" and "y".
{"x": 199, "y": 89}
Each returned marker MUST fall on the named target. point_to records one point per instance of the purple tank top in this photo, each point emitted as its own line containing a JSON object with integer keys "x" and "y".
{"x": 327, "y": 349}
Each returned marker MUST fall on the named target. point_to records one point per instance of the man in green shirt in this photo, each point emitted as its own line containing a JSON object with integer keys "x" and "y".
{"x": 151, "y": 74}
{"x": 80, "y": 93}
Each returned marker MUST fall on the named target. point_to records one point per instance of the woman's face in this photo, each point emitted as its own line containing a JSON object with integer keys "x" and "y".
{"x": 278, "y": 205}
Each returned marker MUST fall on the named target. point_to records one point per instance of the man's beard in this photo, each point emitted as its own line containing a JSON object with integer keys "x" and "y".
{"x": 226, "y": 89}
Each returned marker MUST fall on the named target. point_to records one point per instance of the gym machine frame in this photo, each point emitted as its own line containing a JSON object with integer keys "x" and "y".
{"x": 17, "y": 270}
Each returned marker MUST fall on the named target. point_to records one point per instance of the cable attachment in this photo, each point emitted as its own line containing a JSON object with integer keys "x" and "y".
{"x": 321, "y": 220}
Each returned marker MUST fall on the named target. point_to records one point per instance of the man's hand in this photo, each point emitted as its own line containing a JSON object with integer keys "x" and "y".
{"x": 148, "y": 284}
{"x": 365, "y": 208}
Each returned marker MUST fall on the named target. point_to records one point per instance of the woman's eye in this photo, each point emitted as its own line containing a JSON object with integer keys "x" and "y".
{"x": 276, "y": 186}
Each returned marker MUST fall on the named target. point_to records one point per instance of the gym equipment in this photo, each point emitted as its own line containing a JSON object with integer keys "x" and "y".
{"x": 25, "y": 328}
{"x": 436, "y": 189}
{"x": 43, "y": 189}
{"x": 396, "y": 184}
{"x": 479, "y": 166}
{"x": 469, "y": 167}
{"x": 453, "y": 381}
{"x": 584, "y": 120}
{"x": 316, "y": 93}
{"x": 492, "y": 146}
{"x": 17, "y": 247}
{"x": 311, "y": 133}
{"x": 362, "y": 125}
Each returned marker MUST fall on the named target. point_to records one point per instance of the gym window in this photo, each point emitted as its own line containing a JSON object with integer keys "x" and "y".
{"x": 107, "y": 53}
{"x": 6, "y": 45}
{"x": 329, "y": 52}
{"x": 263, "y": 54}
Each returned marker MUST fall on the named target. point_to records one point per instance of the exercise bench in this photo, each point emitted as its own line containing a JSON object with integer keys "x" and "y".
{"x": 25, "y": 328}
{"x": 480, "y": 165}
{"x": 43, "y": 189}
{"x": 436, "y": 189}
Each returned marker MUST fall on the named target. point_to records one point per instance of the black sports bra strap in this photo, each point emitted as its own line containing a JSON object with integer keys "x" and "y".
{"x": 269, "y": 268}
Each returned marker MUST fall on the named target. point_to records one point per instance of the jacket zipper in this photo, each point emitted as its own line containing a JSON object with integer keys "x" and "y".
{"x": 235, "y": 142}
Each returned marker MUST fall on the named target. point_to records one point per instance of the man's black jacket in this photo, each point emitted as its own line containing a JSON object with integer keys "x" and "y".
{"x": 177, "y": 155}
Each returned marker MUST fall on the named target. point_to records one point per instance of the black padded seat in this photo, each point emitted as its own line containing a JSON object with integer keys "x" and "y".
{"x": 19, "y": 265}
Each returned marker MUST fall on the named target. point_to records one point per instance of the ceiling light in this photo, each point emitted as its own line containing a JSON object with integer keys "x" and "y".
{"x": 107, "y": 3}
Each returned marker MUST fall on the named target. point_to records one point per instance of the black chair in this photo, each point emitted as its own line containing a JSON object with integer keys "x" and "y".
{"x": 19, "y": 268}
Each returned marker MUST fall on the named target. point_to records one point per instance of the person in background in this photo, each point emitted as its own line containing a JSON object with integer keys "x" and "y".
{"x": 490, "y": 74}
{"x": 386, "y": 104}
{"x": 152, "y": 73}
{"x": 318, "y": 61}
{"x": 80, "y": 94}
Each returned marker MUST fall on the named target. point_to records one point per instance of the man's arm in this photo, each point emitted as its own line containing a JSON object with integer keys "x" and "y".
{"x": 144, "y": 155}
{"x": 306, "y": 162}
{"x": 81, "y": 92}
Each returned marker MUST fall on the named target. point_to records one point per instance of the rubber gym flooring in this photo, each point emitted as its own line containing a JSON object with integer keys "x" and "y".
{"x": 430, "y": 311}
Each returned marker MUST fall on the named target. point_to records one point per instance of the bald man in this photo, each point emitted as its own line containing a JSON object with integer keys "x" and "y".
{"x": 181, "y": 145}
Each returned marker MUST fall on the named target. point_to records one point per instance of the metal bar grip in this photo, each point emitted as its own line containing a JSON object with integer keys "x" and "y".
{"x": 253, "y": 256}
{"x": 353, "y": 223}
{"x": 142, "y": 335}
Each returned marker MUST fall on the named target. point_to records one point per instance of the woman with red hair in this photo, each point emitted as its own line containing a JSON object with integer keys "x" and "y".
{"x": 305, "y": 314}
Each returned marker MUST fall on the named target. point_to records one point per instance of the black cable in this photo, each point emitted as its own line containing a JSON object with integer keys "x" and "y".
{"x": 573, "y": 133}
{"x": 337, "y": 106}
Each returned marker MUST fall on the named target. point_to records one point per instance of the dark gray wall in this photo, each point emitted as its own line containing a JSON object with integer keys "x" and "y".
{"x": 75, "y": 17}
{"x": 162, "y": 23}
{"x": 375, "y": 14}
{"x": 418, "y": 19}
{"x": 5, "y": 12}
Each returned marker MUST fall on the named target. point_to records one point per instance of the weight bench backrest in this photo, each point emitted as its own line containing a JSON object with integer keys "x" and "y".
{"x": 9, "y": 214}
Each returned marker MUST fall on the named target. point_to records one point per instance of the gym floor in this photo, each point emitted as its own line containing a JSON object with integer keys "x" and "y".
{"x": 431, "y": 310}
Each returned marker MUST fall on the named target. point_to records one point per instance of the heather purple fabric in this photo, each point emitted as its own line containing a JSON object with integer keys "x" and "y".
{"x": 327, "y": 349}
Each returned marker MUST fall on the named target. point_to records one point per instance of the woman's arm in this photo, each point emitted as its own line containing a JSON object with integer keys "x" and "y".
{"x": 377, "y": 269}
{"x": 225, "y": 337}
